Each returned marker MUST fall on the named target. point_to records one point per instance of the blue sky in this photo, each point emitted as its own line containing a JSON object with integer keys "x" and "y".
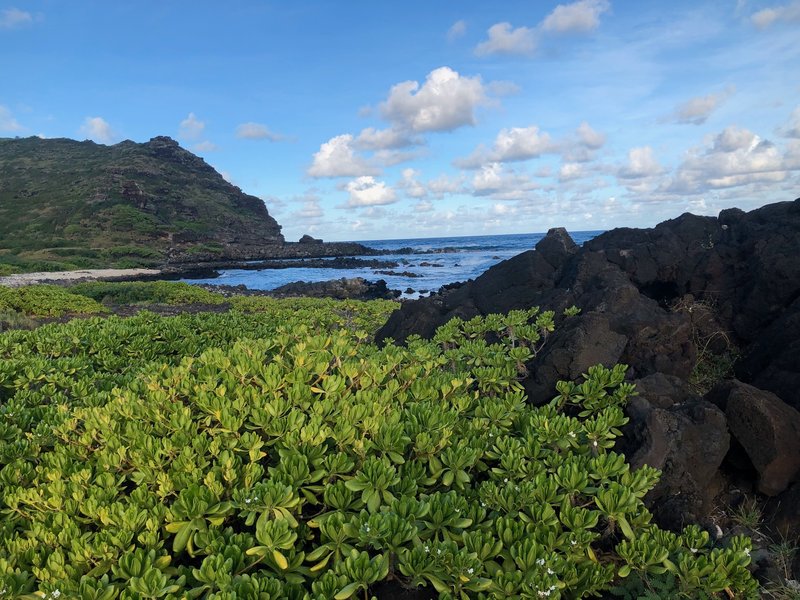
{"x": 371, "y": 120}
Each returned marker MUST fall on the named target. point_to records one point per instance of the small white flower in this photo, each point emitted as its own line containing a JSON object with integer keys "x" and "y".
{"x": 573, "y": 542}
{"x": 366, "y": 528}
{"x": 505, "y": 480}
{"x": 247, "y": 501}
{"x": 747, "y": 551}
{"x": 553, "y": 588}
{"x": 540, "y": 561}
{"x": 693, "y": 550}
{"x": 594, "y": 443}
{"x": 56, "y": 593}
{"x": 426, "y": 548}
{"x": 550, "y": 571}
{"x": 571, "y": 434}
{"x": 470, "y": 570}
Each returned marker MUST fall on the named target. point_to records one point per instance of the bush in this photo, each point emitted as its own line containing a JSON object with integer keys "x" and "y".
{"x": 46, "y": 300}
{"x": 305, "y": 462}
{"x": 146, "y": 292}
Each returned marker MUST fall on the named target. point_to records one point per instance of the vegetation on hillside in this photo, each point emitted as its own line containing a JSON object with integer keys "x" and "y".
{"x": 66, "y": 205}
{"x": 275, "y": 452}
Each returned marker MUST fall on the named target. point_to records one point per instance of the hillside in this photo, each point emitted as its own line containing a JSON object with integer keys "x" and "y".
{"x": 66, "y": 204}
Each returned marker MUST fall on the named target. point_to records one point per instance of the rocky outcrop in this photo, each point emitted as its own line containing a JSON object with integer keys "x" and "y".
{"x": 355, "y": 288}
{"x": 691, "y": 291}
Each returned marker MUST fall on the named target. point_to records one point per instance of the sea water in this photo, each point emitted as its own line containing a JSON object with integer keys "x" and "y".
{"x": 441, "y": 261}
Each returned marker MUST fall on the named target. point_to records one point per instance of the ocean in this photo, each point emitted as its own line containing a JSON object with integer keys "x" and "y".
{"x": 445, "y": 260}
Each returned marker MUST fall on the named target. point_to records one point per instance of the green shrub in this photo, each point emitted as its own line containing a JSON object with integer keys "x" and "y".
{"x": 287, "y": 457}
{"x": 150, "y": 292}
{"x": 46, "y": 300}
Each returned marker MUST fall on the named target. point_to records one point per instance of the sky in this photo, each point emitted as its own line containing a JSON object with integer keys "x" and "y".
{"x": 359, "y": 120}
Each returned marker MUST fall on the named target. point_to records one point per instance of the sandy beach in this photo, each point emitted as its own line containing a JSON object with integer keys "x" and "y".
{"x": 22, "y": 279}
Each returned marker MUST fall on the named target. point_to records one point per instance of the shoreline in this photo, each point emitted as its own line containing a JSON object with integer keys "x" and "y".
{"x": 79, "y": 276}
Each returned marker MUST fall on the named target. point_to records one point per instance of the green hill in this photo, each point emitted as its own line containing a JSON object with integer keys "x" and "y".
{"x": 66, "y": 204}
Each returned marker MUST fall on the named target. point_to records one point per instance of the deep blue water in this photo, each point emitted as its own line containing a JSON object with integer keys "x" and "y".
{"x": 466, "y": 258}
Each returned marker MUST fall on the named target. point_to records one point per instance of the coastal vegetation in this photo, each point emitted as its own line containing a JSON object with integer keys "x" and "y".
{"x": 274, "y": 451}
{"x": 68, "y": 205}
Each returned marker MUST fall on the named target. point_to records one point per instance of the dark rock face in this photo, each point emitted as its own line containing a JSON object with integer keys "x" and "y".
{"x": 656, "y": 299}
{"x": 356, "y": 288}
{"x": 767, "y": 428}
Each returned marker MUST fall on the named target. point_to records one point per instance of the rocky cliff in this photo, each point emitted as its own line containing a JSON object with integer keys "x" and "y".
{"x": 706, "y": 313}
{"x": 86, "y": 204}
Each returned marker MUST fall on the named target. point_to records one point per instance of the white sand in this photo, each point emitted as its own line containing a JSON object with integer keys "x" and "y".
{"x": 75, "y": 276}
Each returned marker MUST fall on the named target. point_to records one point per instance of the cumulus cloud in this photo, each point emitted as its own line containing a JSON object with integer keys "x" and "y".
{"x": 578, "y": 17}
{"x": 641, "y": 163}
{"x": 503, "y": 39}
{"x": 97, "y": 129}
{"x": 410, "y": 185}
{"x": 457, "y": 30}
{"x": 591, "y": 139}
{"x": 256, "y": 131}
{"x": 735, "y": 157}
{"x": 501, "y": 183}
{"x": 788, "y": 13}
{"x": 7, "y": 121}
{"x": 446, "y": 101}
{"x": 191, "y": 128}
{"x": 444, "y": 185}
{"x": 791, "y": 129}
{"x": 385, "y": 139}
{"x": 512, "y": 144}
{"x": 338, "y": 158}
{"x": 367, "y": 191}
{"x": 14, "y": 17}
{"x": 696, "y": 111}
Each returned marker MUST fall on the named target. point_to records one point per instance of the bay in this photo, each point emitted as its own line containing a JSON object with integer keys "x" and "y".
{"x": 438, "y": 261}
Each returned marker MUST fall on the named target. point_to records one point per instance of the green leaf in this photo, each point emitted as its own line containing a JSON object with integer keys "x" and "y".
{"x": 347, "y": 591}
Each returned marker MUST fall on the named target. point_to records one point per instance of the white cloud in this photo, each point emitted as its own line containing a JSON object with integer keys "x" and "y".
{"x": 503, "y": 39}
{"x": 578, "y": 17}
{"x": 457, "y": 30}
{"x": 789, "y": 13}
{"x": 444, "y": 185}
{"x": 501, "y": 183}
{"x": 7, "y": 121}
{"x": 512, "y": 144}
{"x": 734, "y": 138}
{"x": 410, "y": 185}
{"x": 589, "y": 137}
{"x": 367, "y": 191}
{"x": 14, "y": 17}
{"x": 570, "y": 171}
{"x": 205, "y": 146}
{"x": 384, "y": 139}
{"x": 641, "y": 163}
{"x": 338, "y": 158}
{"x": 790, "y": 130}
{"x": 191, "y": 128}
{"x": 696, "y": 111}
{"x": 310, "y": 208}
{"x": 446, "y": 101}
{"x": 97, "y": 129}
{"x": 256, "y": 131}
{"x": 735, "y": 157}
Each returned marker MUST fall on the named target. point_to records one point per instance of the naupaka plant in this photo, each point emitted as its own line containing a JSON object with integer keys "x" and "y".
{"x": 309, "y": 463}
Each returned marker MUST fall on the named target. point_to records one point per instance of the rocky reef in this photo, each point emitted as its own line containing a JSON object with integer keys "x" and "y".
{"x": 706, "y": 314}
